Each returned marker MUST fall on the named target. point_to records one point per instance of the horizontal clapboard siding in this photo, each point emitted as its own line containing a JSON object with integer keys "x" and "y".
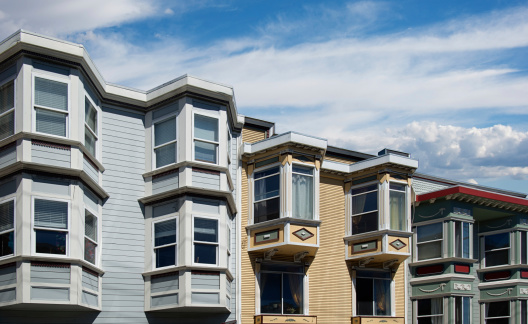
{"x": 52, "y": 275}
{"x": 50, "y": 155}
{"x": 164, "y": 183}
{"x": 90, "y": 170}
{"x": 205, "y": 281}
{"x": 205, "y": 180}
{"x": 7, "y": 156}
{"x": 47, "y": 293}
{"x": 165, "y": 283}
{"x": 205, "y": 298}
{"x": 164, "y": 300}
{"x": 90, "y": 281}
{"x": 7, "y": 295}
{"x": 89, "y": 299}
{"x": 8, "y": 276}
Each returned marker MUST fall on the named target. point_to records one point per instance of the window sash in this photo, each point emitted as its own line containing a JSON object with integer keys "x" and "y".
{"x": 164, "y": 132}
{"x": 398, "y": 206}
{"x": 90, "y": 226}
{"x": 206, "y": 128}
{"x": 90, "y": 116}
{"x": 462, "y": 240}
{"x": 51, "y": 94}
{"x": 302, "y": 192}
{"x": 51, "y": 122}
{"x": 7, "y": 96}
{"x": 51, "y": 214}
{"x": 7, "y": 216}
{"x": 291, "y": 291}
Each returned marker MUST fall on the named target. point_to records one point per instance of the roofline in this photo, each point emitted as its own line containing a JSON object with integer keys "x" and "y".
{"x": 350, "y": 153}
{"x": 473, "y": 192}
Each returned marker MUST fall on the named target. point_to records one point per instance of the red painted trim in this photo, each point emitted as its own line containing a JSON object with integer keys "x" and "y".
{"x": 8, "y": 265}
{"x": 472, "y": 192}
{"x": 168, "y": 274}
{"x": 51, "y": 145}
{"x": 49, "y": 264}
{"x": 524, "y": 274}
{"x": 461, "y": 268}
{"x": 90, "y": 271}
{"x": 432, "y": 269}
{"x": 497, "y": 275}
{"x": 157, "y": 176}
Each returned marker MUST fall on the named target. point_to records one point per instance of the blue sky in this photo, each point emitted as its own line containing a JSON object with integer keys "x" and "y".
{"x": 445, "y": 81}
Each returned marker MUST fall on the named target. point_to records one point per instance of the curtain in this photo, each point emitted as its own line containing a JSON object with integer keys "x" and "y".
{"x": 302, "y": 196}
{"x": 397, "y": 210}
{"x": 165, "y": 131}
{"x": 296, "y": 289}
{"x": 437, "y": 309}
{"x": 382, "y": 297}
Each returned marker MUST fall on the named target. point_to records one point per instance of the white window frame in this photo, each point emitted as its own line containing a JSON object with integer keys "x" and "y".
{"x": 462, "y": 304}
{"x": 97, "y": 245}
{"x": 12, "y": 110}
{"x": 442, "y": 252}
{"x": 523, "y": 237}
{"x": 406, "y": 203}
{"x": 483, "y": 247}
{"x": 509, "y": 317}
{"x": 392, "y": 296}
{"x": 97, "y": 137}
{"x": 217, "y": 143}
{"x": 217, "y": 243}
{"x": 34, "y": 228}
{"x": 3, "y": 201}
{"x": 34, "y": 107}
{"x": 229, "y": 144}
{"x": 315, "y": 195}
{"x": 443, "y": 315}
{"x": 378, "y": 190}
{"x": 305, "y": 284}
{"x": 153, "y": 139}
{"x": 171, "y": 217}
{"x": 470, "y": 245}
{"x": 254, "y": 201}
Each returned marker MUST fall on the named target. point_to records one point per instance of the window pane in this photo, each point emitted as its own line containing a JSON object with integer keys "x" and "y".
{"x": 364, "y": 296}
{"x": 7, "y": 215}
{"x": 433, "y": 306}
{"x": 50, "y": 213}
{"x": 165, "y": 155}
{"x": 165, "y": 256}
{"x": 292, "y": 294}
{"x": 89, "y": 141}
{"x": 266, "y": 210}
{"x": 49, "y": 93}
{"x": 429, "y": 232}
{"x": 465, "y": 240}
{"x": 524, "y": 248}
{"x": 497, "y": 241}
{"x": 90, "y": 115}
{"x": 165, "y": 131}
{"x": 7, "y": 97}
{"x": 365, "y": 223}
{"x": 364, "y": 203}
{"x": 165, "y": 232}
{"x": 397, "y": 210}
{"x": 89, "y": 250}
{"x": 498, "y": 309}
{"x": 90, "y": 225}
{"x": 51, "y": 122}
{"x": 51, "y": 242}
{"x": 382, "y": 297}
{"x": 206, "y": 128}
{"x": 267, "y": 172}
{"x": 7, "y": 243}
{"x": 270, "y": 293}
{"x": 499, "y": 257}
{"x": 205, "y": 151}
{"x": 302, "y": 170}
{"x": 267, "y": 187}
{"x": 430, "y": 250}
{"x": 372, "y": 187}
{"x": 397, "y": 186}
{"x": 205, "y": 230}
{"x": 302, "y": 196}
{"x": 205, "y": 253}
{"x": 7, "y": 125}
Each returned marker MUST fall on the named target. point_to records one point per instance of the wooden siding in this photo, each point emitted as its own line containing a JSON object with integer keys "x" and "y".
{"x": 7, "y": 276}
{"x": 47, "y": 185}
{"x": 7, "y": 295}
{"x": 7, "y": 156}
{"x": 330, "y": 287}
{"x": 206, "y": 180}
{"x": 247, "y": 276}
{"x": 90, "y": 170}
{"x": 165, "y": 283}
{"x": 51, "y": 275}
{"x": 7, "y": 188}
{"x": 339, "y": 159}
{"x": 50, "y": 155}
{"x": 205, "y": 298}
{"x": 89, "y": 299}
{"x": 47, "y": 293}
{"x": 165, "y": 183}
{"x": 399, "y": 288}
{"x": 205, "y": 281}
{"x": 90, "y": 281}
{"x": 252, "y": 135}
{"x": 164, "y": 300}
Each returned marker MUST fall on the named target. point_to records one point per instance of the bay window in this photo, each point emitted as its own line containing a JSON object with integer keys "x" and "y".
{"x": 205, "y": 138}
{"x": 365, "y": 209}
{"x": 429, "y": 241}
{"x": 281, "y": 289}
{"x": 398, "y": 206}
{"x": 462, "y": 240}
{"x": 266, "y": 203}
{"x": 90, "y": 237}
{"x": 430, "y": 311}
{"x": 7, "y": 228}
{"x": 497, "y": 249}
{"x": 7, "y": 109}
{"x": 165, "y": 142}
{"x": 462, "y": 310}
{"x": 165, "y": 243}
{"x": 90, "y": 127}
{"x": 524, "y": 248}
{"x": 51, "y": 106}
{"x": 373, "y": 293}
{"x": 303, "y": 192}
{"x": 50, "y": 225}
{"x": 205, "y": 241}
{"x": 497, "y": 312}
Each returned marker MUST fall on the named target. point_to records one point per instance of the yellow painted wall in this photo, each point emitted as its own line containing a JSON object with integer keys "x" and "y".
{"x": 399, "y": 280}
{"x": 311, "y": 229}
{"x": 252, "y": 135}
{"x": 404, "y": 249}
{"x": 247, "y": 272}
{"x": 254, "y": 232}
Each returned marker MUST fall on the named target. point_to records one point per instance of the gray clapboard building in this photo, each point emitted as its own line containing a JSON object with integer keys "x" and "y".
{"x": 116, "y": 205}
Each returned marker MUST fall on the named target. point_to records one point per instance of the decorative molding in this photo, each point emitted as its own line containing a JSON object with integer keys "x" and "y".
{"x": 268, "y": 254}
{"x": 364, "y": 262}
{"x": 440, "y": 212}
{"x": 299, "y": 256}
{"x": 390, "y": 263}
{"x": 523, "y": 291}
{"x": 303, "y": 234}
{"x": 441, "y": 286}
{"x": 507, "y": 222}
{"x": 398, "y": 244}
{"x": 459, "y": 286}
{"x": 508, "y": 291}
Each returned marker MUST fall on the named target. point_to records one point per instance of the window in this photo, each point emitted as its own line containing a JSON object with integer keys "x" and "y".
{"x": 51, "y": 107}
{"x": 365, "y": 209}
{"x": 205, "y": 240}
{"x": 281, "y": 289}
{"x": 205, "y": 139}
{"x": 7, "y": 228}
{"x": 165, "y": 142}
{"x": 373, "y": 293}
{"x": 50, "y": 226}
{"x": 462, "y": 240}
{"x": 303, "y": 192}
{"x": 90, "y": 237}
{"x": 462, "y": 310}
{"x": 165, "y": 243}
{"x": 524, "y": 311}
{"x": 90, "y": 127}
{"x": 497, "y": 312}
{"x": 430, "y": 311}
{"x": 397, "y": 206}
{"x": 7, "y": 109}
{"x": 267, "y": 195}
{"x": 429, "y": 241}
{"x": 497, "y": 249}
{"x": 524, "y": 248}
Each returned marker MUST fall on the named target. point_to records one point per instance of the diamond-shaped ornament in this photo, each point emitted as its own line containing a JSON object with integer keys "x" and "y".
{"x": 303, "y": 234}
{"x": 398, "y": 244}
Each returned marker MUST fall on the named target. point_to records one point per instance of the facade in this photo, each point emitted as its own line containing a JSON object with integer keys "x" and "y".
{"x": 167, "y": 206}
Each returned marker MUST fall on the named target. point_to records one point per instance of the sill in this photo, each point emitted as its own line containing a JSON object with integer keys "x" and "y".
{"x": 441, "y": 277}
{"x": 354, "y": 237}
{"x": 442, "y": 260}
{"x": 186, "y": 267}
{"x": 502, "y": 267}
{"x": 284, "y": 220}
{"x": 46, "y": 258}
{"x": 502, "y": 283}
{"x": 180, "y": 164}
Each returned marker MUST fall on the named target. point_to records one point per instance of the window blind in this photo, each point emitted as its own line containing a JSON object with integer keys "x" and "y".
{"x": 50, "y": 213}
{"x": 7, "y": 97}
{"x": 205, "y": 151}
{"x": 206, "y": 128}
{"x": 90, "y": 226}
{"x": 90, "y": 115}
{"x": 7, "y": 125}
{"x": 7, "y": 215}
{"x": 89, "y": 141}
{"x": 165, "y": 232}
{"x": 165, "y": 155}
{"x": 205, "y": 230}
{"x": 165, "y": 131}
{"x": 52, "y": 94}
{"x": 51, "y": 122}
